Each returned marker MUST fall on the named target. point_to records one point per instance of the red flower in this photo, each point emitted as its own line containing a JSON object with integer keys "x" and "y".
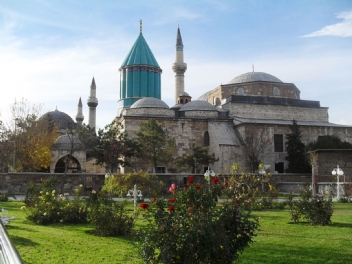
{"x": 248, "y": 201}
{"x": 172, "y": 200}
{"x": 144, "y": 206}
{"x": 171, "y": 208}
{"x": 185, "y": 185}
{"x": 215, "y": 180}
{"x": 225, "y": 183}
{"x": 154, "y": 200}
{"x": 191, "y": 177}
{"x": 198, "y": 186}
{"x": 235, "y": 202}
{"x": 190, "y": 181}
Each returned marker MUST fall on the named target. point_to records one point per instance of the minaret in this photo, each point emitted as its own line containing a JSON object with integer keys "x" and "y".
{"x": 79, "y": 116}
{"x": 92, "y": 103}
{"x": 179, "y": 67}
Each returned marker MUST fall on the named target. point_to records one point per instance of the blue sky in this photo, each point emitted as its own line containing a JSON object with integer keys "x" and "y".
{"x": 50, "y": 50}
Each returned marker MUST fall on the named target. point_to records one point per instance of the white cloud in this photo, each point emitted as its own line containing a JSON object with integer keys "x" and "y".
{"x": 342, "y": 29}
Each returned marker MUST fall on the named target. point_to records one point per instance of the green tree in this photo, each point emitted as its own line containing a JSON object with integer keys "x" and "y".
{"x": 156, "y": 147}
{"x": 329, "y": 142}
{"x": 88, "y": 137}
{"x": 111, "y": 147}
{"x": 199, "y": 155}
{"x": 298, "y": 161}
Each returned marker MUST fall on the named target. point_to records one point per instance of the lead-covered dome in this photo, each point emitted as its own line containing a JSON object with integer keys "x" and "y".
{"x": 254, "y": 77}
{"x": 61, "y": 119}
{"x": 150, "y": 102}
{"x": 198, "y": 105}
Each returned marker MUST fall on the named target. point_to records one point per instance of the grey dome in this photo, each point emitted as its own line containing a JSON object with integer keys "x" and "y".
{"x": 204, "y": 97}
{"x": 255, "y": 77}
{"x": 184, "y": 94}
{"x": 198, "y": 105}
{"x": 150, "y": 102}
{"x": 61, "y": 119}
{"x": 69, "y": 141}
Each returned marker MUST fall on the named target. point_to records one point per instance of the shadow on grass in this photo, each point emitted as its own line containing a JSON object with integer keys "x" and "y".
{"x": 21, "y": 241}
{"x": 15, "y": 227}
{"x": 334, "y": 224}
{"x": 280, "y": 253}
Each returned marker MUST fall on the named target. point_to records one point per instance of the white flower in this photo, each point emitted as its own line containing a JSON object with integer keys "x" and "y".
{"x": 94, "y": 192}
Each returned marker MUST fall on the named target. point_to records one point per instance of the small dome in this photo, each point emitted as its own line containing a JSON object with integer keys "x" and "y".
{"x": 254, "y": 77}
{"x": 69, "y": 141}
{"x": 198, "y": 105}
{"x": 184, "y": 94}
{"x": 150, "y": 102}
{"x": 204, "y": 97}
{"x": 61, "y": 119}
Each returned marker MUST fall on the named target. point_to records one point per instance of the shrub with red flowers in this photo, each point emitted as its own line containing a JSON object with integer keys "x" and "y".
{"x": 192, "y": 229}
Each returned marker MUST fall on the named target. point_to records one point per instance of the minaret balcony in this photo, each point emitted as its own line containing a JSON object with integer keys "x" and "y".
{"x": 92, "y": 102}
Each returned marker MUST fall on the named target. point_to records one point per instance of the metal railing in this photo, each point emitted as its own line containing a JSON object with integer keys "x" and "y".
{"x": 8, "y": 252}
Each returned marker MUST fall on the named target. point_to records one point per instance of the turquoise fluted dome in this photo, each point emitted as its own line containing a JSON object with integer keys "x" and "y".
{"x": 139, "y": 75}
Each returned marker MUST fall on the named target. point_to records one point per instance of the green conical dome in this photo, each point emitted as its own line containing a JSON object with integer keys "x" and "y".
{"x": 139, "y": 75}
{"x": 140, "y": 54}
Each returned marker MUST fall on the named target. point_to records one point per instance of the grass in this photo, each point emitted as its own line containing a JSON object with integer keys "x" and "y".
{"x": 278, "y": 241}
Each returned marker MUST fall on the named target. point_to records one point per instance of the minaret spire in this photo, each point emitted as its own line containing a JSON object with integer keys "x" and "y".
{"x": 140, "y": 26}
{"x": 179, "y": 67}
{"x": 79, "y": 116}
{"x": 92, "y": 103}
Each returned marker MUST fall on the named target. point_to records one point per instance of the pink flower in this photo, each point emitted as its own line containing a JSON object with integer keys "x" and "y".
{"x": 226, "y": 183}
{"x": 173, "y": 186}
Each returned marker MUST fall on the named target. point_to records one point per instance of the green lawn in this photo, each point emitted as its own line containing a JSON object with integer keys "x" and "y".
{"x": 278, "y": 241}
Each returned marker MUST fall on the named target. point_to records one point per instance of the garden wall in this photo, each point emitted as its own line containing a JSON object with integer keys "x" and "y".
{"x": 17, "y": 183}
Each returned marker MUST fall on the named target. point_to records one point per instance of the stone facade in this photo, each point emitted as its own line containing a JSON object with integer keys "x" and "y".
{"x": 267, "y": 111}
{"x": 285, "y": 90}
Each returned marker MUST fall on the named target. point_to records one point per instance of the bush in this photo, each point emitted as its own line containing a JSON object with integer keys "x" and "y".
{"x": 120, "y": 184}
{"x": 191, "y": 228}
{"x": 108, "y": 217}
{"x": 317, "y": 210}
{"x": 44, "y": 207}
{"x": 4, "y": 197}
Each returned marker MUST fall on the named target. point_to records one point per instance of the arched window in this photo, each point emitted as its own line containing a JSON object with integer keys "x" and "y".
{"x": 181, "y": 101}
{"x": 206, "y": 139}
{"x": 276, "y": 91}
{"x": 240, "y": 91}
{"x": 186, "y": 101}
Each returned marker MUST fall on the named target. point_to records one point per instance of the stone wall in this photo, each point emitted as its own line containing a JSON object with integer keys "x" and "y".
{"x": 286, "y": 90}
{"x": 17, "y": 183}
{"x": 267, "y": 111}
{"x": 325, "y": 160}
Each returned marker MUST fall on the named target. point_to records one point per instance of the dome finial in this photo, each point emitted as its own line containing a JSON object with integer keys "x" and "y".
{"x": 140, "y": 26}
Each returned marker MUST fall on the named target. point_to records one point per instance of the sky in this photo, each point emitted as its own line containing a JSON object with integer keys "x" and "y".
{"x": 51, "y": 50}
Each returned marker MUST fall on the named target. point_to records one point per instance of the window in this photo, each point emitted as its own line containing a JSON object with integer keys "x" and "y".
{"x": 160, "y": 169}
{"x": 181, "y": 101}
{"x": 206, "y": 139}
{"x": 278, "y": 143}
{"x": 240, "y": 91}
{"x": 276, "y": 91}
{"x": 279, "y": 167}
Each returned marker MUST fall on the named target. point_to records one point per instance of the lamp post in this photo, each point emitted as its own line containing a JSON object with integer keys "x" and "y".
{"x": 338, "y": 172}
{"x": 209, "y": 173}
{"x": 136, "y": 193}
{"x": 262, "y": 173}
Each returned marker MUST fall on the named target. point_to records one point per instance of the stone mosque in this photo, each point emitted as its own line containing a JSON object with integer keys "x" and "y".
{"x": 220, "y": 118}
